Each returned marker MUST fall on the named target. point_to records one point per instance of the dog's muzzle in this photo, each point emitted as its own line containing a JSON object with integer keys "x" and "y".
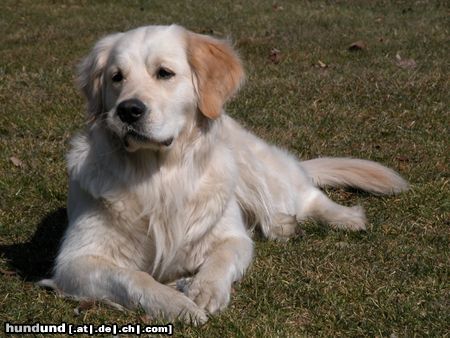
{"x": 130, "y": 112}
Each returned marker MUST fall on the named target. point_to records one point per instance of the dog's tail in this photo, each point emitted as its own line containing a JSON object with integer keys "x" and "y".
{"x": 361, "y": 174}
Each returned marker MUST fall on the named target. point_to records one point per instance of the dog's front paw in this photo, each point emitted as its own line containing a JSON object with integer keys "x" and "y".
{"x": 189, "y": 312}
{"x": 174, "y": 305}
{"x": 211, "y": 295}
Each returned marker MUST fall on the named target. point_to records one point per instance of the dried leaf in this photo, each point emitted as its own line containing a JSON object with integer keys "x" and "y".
{"x": 406, "y": 63}
{"x": 16, "y": 162}
{"x": 321, "y": 64}
{"x": 276, "y": 7}
{"x": 275, "y": 56}
{"x": 84, "y": 305}
{"x": 402, "y": 158}
{"x": 357, "y": 45}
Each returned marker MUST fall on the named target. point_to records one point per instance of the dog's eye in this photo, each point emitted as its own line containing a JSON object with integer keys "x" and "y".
{"x": 117, "y": 77}
{"x": 164, "y": 73}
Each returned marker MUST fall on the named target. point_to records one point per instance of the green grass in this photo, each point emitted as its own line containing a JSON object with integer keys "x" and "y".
{"x": 392, "y": 280}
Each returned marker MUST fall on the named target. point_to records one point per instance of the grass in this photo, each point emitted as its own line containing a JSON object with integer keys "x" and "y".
{"x": 390, "y": 281}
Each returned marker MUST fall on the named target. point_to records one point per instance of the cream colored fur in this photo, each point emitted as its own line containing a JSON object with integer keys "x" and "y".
{"x": 177, "y": 203}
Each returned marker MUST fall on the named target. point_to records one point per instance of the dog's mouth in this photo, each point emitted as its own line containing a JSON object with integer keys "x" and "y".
{"x": 134, "y": 140}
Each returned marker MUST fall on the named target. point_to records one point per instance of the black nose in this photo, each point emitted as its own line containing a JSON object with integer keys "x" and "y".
{"x": 130, "y": 111}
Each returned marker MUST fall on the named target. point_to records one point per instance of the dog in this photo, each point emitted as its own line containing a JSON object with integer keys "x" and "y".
{"x": 165, "y": 188}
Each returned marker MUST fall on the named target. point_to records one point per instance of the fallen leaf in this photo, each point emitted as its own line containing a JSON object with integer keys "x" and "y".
{"x": 16, "y": 161}
{"x": 84, "y": 305}
{"x": 405, "y": 63}
{"x": 441, "y": 166}
{"x": 275, "y": 56}
{"x": 321, "y": 64}
{"x": 276, "y": 7}
{"x": 357, "y": 45}
{"x": 402, "y": 158}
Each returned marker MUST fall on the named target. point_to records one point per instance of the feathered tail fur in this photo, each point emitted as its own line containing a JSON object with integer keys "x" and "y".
{"x": 361, "y": 174}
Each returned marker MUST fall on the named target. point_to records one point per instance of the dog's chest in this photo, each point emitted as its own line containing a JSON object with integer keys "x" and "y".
{"x": 151, "y": 218}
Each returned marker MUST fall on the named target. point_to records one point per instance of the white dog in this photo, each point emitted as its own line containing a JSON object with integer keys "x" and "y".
{"x": 164, "y": 186}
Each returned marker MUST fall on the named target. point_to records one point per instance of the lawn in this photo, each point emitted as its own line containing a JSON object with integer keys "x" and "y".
{"x": 385, "y": 99}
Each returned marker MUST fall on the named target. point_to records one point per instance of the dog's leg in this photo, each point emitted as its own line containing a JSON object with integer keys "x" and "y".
{"x": 98, "y": 278}
{"x": 210, "y": 289}
{"x": 227, "y": 255}
{"x": 314, "y": 204}
{"x": 284, "y": 227}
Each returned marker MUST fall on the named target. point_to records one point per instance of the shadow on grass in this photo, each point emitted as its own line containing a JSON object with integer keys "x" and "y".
{"x": 34, "y": 259}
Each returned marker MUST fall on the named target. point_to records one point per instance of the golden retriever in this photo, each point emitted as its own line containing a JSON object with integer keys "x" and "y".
{"x": 165, "y": 187}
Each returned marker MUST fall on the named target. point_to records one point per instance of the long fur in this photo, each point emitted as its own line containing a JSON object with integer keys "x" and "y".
{"x": 349, "y": 172}
{"x": 174, "y": 206}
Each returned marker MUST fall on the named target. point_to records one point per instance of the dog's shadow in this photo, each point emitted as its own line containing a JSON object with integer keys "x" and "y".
{"x": 33, "y": 260}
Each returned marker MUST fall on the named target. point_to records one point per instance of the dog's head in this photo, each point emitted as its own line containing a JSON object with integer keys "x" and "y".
{"x": 146, "y": 84}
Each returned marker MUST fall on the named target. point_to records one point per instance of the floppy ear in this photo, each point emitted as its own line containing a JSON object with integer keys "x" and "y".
{"x": 90, "y": 74}
{"x": 218, "y": 71}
